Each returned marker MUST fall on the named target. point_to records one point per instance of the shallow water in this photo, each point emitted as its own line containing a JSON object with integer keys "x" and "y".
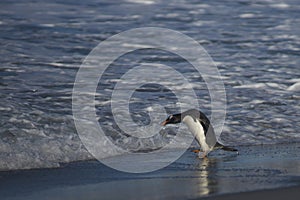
{"x": 256, "y": 168}
{"x": 255, "y": 44}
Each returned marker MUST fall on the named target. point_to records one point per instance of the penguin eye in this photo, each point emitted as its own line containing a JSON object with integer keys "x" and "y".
{"x": 171, "y": 116}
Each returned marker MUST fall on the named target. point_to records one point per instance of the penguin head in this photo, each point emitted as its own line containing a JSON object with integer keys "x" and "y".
{"x": 172, "y": 119}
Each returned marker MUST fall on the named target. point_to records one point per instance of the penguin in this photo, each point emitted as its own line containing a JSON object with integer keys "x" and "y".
{"x": 200, "y": 126}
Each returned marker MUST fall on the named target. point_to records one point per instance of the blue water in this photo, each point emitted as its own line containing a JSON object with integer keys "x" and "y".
{"x": 256, "y": 45}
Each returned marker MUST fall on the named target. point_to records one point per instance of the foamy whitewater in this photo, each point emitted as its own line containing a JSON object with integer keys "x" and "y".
{"x": 256, "y": 45}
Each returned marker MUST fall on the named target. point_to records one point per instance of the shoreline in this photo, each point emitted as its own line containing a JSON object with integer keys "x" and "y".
{"x": 222, "y": 175}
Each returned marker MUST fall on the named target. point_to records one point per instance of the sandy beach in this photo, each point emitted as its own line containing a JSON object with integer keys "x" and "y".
{"x": 275, "y": 194}
{"x": 272, "y": 170}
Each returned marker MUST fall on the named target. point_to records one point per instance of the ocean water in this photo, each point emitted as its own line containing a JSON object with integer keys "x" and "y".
{"x": 255, "y": 44}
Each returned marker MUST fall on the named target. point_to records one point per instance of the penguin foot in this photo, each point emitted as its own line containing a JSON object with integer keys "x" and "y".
{"x": 203, "y": 155}
{"x": 196, "y": 150}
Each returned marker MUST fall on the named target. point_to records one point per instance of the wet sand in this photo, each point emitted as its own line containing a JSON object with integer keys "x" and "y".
{"x": 272, "y": 170}
{"x": 292, "y": 193}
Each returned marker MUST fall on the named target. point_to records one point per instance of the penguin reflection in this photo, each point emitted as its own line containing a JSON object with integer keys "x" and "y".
{"x": 207, "y": 170}
{"x": 207, "y": 183}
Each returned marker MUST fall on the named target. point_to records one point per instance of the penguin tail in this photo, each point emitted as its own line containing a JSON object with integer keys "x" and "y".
{"x": 225, "y": 148}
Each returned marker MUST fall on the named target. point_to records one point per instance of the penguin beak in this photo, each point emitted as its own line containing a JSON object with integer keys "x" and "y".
{"x": 164, "y": 123}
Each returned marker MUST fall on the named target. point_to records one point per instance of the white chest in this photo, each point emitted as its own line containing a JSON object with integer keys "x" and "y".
{"x": 197, "y": 130}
